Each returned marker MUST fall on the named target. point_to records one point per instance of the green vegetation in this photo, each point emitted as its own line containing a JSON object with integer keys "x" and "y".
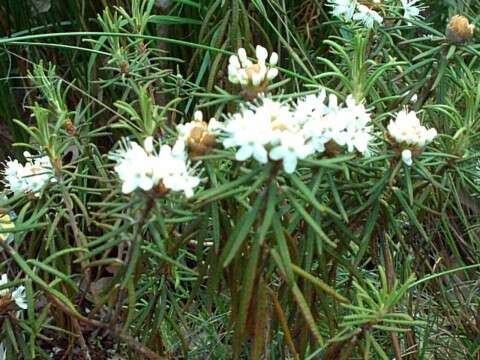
{"x": 357, "y": 254}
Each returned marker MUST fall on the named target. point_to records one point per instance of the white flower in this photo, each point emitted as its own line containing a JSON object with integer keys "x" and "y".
{"x": 28, "y": 178}
{"x": 367, "y": 16}
{"x": 411, "y": 9}
{"x": 321, "y": 122}
{"x": 279, "y": 131}
{"x": 406, "y": 129}
{"x": 343, "y": 9}
{"x": 18, "y": 295}
{"x": 311, "y": 106}
{"x": 357, "y": 132}
{"x": 173, "y": 169}
{"x": 136, "y": 168}
{"x": 250, "y": 132}
{"x": 408, "y": 133}
{"x": 291, "y": 148}
{"x": 248, "y": 74}
{"x": 407, "y": 157}
{"x": 139, "y": 169}
{"x": 346, "y": 126}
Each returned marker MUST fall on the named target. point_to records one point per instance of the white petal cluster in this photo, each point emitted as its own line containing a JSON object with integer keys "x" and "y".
{"x": 408, "y": 133}
{"x": 367, "y": 16}
{"x": 349, "y": 10}
{"x": 28, "y": 178}
{"x": 279, "y": 131}
{"x": 243, "y": 71}
{"x": 143, "y": 168}
{"x": 412, "y": 9}
{"x": 347, "y": 125}
{"x": 17, "y": 295}
{"x": 343, "y": 9}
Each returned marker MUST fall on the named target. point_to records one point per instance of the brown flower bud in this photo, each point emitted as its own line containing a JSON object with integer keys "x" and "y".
{"x": 124, "y": 68}
{"x": 200, "y": 140}
{"x": 5, "y": 302}
{"x": 332, "y": 149}
{"x": 459, "y": 29}
{"x": 198, "y": 136}
{"x": 70, "y": 128}
{"x": 160, "y": 189}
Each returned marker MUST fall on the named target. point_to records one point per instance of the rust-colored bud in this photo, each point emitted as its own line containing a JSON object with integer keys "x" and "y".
{"x": 70, "y": 128}
{"x": 160, "y": 189}
{"x": 200, "y": 140}
{"x": 332, "y": 149}
{"x": 198, "y": 135}
{"x": 459, "y": 29}
{"x": 5, "y": 302}
{"x": 125, "y": 68}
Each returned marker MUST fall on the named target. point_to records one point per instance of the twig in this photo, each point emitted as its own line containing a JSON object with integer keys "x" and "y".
{"x": 113, "y": 331}
{"x": 131, "y": 251}
{"x": 390, "y": 279}
{"x": 283, "y": 323}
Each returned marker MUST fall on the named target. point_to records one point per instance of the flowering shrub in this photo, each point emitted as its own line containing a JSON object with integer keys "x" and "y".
{"x": 327, "y": 209}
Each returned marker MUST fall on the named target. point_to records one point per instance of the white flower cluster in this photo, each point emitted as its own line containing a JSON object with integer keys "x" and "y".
{"x": 143, "y": 168}
{"x": 279, "y": 131}
{"x": 408, "y": 133}
{"x": 28, "y": 178}
{"x": 412, "y": 9}
{"x": 248, "y": 74}
{"x": 349, "y": 10}
{"x": 18, "y": 295}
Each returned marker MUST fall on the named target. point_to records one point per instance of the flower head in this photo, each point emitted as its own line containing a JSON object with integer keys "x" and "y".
{"x": 343, "y": 125}
{"x": 17, "y": 295}
{"x": 367, "y": 16}
{"x": 357, "y": 130}
{"x": 243, "y": 71}
{"x": 291, "y": 132}
{"x": 411, "y": 9}
{"x": 343, "y": 9}
{"x": 250, "y": 133}
{"x": 406, "y": 133}
{"x": 30, "y": 177}
{"x": 291, "y": 147}
{"x": 142, "y": 168}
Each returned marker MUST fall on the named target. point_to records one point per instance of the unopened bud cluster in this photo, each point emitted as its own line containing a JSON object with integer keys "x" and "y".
{"x": 253, "y": 76}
